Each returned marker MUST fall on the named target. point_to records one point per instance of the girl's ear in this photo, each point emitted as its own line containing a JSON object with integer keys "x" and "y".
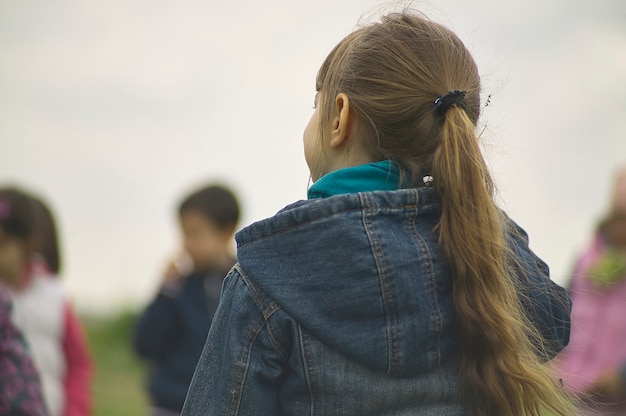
{"x": 342, "y": 123}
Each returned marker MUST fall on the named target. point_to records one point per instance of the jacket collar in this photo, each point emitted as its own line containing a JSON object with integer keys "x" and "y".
{"x": 376, "y": 176}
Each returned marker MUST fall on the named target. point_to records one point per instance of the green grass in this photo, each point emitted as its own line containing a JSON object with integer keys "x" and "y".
{"x": 118, "y": 385}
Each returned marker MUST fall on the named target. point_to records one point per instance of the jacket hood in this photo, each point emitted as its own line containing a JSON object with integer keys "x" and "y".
{"x": 357, "y": 272}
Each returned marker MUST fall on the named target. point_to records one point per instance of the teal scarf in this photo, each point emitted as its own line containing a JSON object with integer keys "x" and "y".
{"x": 376, "y": 176}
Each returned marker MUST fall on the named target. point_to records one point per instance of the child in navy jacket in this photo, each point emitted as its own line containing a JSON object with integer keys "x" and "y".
{"x": 171, "y": 332}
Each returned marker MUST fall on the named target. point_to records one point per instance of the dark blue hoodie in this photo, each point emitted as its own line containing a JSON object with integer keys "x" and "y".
{"x": 171, "y": 333}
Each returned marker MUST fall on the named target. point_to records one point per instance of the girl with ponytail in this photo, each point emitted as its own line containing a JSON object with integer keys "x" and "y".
{"x": 398, "y": 287}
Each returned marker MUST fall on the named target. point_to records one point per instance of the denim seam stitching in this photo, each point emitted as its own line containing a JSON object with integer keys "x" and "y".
{"x": 275, "y": 342}
{"x": 387, "y": 297}
{"x": 267, "y": 308}
{"x": 267, "y": 312}
{"x": 326, "y": 216}
{"x": 243, "y": 365}
{"x": 436, "y": 324}
{"x": 308, "y": 362}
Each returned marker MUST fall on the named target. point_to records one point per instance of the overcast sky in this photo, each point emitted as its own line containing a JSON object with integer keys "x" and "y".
{"x": 114, "y": 110}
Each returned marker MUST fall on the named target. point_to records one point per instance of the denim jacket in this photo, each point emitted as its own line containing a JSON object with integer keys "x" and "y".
{"x": 343, "y": 306}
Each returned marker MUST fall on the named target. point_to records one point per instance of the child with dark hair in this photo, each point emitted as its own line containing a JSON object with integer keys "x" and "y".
{"x": 29, "y": 264}
{"x": 172, "y": 330}
{"x": 20, "y": 388}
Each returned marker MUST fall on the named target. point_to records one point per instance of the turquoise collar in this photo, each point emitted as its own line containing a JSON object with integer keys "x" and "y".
{"x": 376, "y": 176}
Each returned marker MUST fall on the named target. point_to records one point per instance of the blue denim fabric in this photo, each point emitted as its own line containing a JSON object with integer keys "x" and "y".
{"x": 343, "y": 306}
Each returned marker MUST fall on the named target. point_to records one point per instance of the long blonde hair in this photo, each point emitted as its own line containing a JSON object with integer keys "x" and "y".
{"x": 392, "y": 71}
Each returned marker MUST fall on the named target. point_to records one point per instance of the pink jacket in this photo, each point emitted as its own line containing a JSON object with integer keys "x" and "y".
{"x": 598, "y": 335}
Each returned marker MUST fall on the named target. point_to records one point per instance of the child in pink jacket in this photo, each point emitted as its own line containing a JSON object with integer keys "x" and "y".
{"x": 29, "y": 263}
{"x": 593, "y": 363}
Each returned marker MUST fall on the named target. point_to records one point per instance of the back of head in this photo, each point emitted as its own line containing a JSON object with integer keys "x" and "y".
{"x": 16, "y": 234}
{"x": 29, "y": 219}
{"x": 16, "y": 214}
{"x": 215, "y": 202}
{"x": 393, "y": 72}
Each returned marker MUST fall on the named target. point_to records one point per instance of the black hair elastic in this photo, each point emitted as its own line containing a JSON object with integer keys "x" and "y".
{"x": 444, "y": 102}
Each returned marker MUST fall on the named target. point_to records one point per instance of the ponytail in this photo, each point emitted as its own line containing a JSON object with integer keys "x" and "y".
{"x": 501, "y": 372}
{"x": 392, "y": 71}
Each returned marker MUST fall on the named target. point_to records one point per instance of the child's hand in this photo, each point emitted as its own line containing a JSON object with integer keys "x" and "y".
{"x": 172, "y": 273}
{"x": 177, "y": 270}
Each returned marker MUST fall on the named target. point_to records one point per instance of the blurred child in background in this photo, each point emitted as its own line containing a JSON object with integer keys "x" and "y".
{"x": 594, "y": 363}
{"x": 29, "y": 265}
{"x": 172, "y": 330}
{"x": 20, "y": 388}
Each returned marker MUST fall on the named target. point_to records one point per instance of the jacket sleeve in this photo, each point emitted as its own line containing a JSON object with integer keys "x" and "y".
{"x": 241, "y": 365}
{"x": 158, "y": 328}
{"x": 547, "y": 305}
{"x": 77, "y": 382}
